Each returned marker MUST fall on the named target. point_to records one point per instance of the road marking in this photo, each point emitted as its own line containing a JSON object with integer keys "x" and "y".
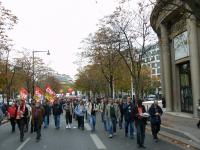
{"x": 23, "y": 144}
{"x": 99, "y": 144}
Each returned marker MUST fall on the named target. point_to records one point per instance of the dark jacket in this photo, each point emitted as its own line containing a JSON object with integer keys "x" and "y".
{"x": 139, "y": 118}
{"x": 47, "y": 110}
{"x": 57, "y": 109}
{"x": 121, "y": 108}
{"x": 39, "y": 116}
{"x": 153, "y": 117}
{"x": 129, "y": 112}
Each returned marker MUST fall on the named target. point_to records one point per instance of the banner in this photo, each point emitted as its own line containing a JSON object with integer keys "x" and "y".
{"x": 23, "y": 94}
{"x": 38, "y": 94}
{"x": 50, "y": 94}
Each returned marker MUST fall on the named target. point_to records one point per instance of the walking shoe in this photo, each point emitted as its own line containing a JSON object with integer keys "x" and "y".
{"x": 142, "y": 146}
{"x": 69, "y": 126}
{"x": 110, "y": 136}
{"x": 156, "y": 140}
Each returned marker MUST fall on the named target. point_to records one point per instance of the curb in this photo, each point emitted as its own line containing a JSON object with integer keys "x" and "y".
{"x": 190, "y": 136}
{"x": 189, "y": 144}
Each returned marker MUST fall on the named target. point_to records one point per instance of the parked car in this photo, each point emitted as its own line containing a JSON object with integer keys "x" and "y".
{"x": 151, "y": 97}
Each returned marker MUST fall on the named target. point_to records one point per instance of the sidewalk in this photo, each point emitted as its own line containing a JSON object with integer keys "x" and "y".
{"x": 181, "y": 127}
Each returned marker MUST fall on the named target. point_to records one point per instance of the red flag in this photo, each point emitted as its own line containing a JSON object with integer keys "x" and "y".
{"x": 50, "y": 94}
{"x": 49, "y": 90}
{"x": 38, "y": 93}
{"x": 23, "y": 94}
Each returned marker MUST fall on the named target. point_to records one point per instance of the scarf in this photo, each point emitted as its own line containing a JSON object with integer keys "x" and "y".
{"x": 20, "y": 111}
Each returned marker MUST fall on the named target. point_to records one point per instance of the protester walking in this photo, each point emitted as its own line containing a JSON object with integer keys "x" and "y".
{"x": 155, "y": 112}
{"x": 47, "y": 113}
{"x": 12, "y": 113}
{"x": 121, "y": 108}
{"x": 37, "y": 118}
{"x": 129, "y": 115}
{"x": 141, "y": 122}
{"x": 32, "y": 105}
{"x": 102, "y": 109}
{"x": 28, "y": 118}
{"x": 57, "y": 111}
{"x": 92, "y": 109}
{"x": 80, "y": 111}
{"x": 68, "y": 113}
{"x": 22, "y": 112}
{"x": 111, "y": 115}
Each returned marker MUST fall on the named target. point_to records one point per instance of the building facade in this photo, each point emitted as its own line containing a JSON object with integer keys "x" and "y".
{"x": 179, "y": 40}
{"x": 152, "y": 60}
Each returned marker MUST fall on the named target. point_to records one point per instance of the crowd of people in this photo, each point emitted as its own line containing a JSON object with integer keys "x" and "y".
{"x": 115, "y": 114}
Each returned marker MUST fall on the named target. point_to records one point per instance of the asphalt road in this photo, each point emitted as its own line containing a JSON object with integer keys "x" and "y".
{"x": 75, "y": 139}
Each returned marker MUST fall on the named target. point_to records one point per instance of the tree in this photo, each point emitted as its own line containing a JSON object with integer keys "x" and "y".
{"x": 101, "y": 50}
{"x": 7, "y": 21}
{"x": 132, "y": 34}
{"x": 90, "y": 78}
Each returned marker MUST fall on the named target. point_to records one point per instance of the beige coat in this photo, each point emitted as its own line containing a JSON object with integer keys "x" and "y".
{"x": 117, "y": 111}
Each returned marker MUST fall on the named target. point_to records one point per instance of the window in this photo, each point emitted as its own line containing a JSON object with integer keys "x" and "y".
{"x": 153, "y": 71}
{"x": 158, "y": 64}
{"x": 152, "y": 58}
{"x": 153, "y": 65}
{"x": 157, "y": 57}
{"x": 158, "y": 70}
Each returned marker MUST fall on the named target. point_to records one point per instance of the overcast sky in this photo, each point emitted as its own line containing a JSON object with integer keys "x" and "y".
{"x": 58, "y": 26}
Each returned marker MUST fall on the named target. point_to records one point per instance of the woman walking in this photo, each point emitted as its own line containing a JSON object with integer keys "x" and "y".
{"x": 22, "y": 113}
{"x": 141, "y": 122}
{"x": 80, "y": 111}
{"x": 68, "y": 113}
{"x": 12, "y": 112}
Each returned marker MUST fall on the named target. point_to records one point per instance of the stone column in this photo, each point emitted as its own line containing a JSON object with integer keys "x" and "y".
{"x": 194, "y": 61}
{"x": 166, "y": 59}
{"x": 161, "y": 66}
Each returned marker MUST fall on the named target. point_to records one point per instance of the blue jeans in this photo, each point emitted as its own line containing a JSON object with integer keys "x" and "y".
{"x": 93, "y": 122}
{"x": 57, "y": 121}
{"x": 46, "y": 121}
{"x": 112, "y": 125}
{"x": 129, "y": 123}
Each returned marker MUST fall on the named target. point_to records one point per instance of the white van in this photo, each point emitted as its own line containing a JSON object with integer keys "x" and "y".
{"x": 151, "y": 97}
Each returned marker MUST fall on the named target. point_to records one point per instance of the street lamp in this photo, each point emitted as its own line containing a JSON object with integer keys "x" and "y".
{"x": 33, "y": 88}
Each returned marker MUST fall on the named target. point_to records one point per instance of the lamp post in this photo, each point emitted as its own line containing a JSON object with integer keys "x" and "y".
{"x": 33, "y": 86}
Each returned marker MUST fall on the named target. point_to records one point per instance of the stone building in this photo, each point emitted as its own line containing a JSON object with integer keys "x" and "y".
{"x": 178, "y": 30}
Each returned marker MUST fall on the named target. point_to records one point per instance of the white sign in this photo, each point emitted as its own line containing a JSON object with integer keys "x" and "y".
{"x": 181, "y": 46}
